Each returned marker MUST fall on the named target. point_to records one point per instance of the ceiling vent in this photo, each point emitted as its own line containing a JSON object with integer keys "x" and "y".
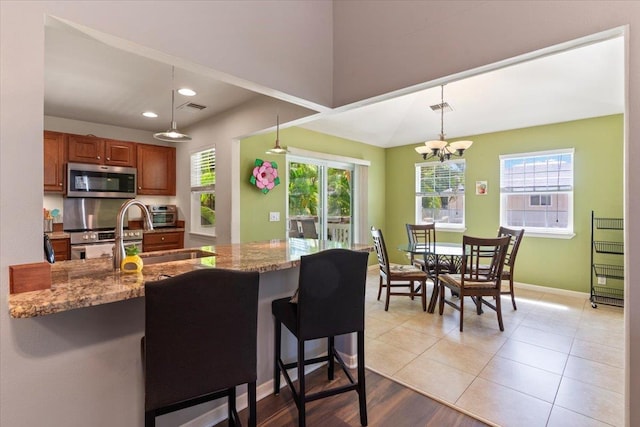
{"x": 191, "y": 106}
{"x": 445, "y": 107}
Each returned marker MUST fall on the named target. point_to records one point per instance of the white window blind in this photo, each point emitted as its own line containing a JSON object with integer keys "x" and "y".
{"x": 203, "y": 170}
{"x": 203, "y": 197}
{"x": 440, "y": 193}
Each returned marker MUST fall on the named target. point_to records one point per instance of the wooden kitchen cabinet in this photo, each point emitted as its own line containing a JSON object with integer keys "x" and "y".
{"x": 159, "y": 241}
{"x": 156, "y": 170}
{"x": 61, "y": 249}
{"x": 100, "y": 151}
{"x": 120, "y": 153}
{"x": 55, "y": 157}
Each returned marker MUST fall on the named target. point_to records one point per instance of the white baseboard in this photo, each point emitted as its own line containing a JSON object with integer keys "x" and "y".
{"x": 548, "y": 290}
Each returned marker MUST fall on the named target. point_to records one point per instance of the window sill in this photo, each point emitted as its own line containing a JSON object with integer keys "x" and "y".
{"x": 450, "y": 229}
{"x": 195, "y": 233}
{"x": 543, "y": 235}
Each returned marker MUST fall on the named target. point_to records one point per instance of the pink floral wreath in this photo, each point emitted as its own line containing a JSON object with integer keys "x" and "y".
{"x": 265, "y": 175}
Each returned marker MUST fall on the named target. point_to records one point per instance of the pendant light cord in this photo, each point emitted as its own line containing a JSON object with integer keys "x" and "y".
{"x": 442, "y": 113}
{"x": 173, "y": 93}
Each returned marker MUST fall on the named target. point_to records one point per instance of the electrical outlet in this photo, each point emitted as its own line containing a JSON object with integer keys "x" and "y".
{"x": 602, "y": 280}
{"x": 274, "y": 216}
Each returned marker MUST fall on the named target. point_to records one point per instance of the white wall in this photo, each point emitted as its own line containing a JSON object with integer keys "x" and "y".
{"x": 81, "y": 368}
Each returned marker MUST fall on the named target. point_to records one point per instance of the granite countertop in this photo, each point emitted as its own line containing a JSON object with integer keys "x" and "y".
{"x": 85, "y": 283}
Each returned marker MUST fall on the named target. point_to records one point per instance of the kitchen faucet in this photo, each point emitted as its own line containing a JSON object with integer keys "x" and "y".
{"x": 118, "y": 247}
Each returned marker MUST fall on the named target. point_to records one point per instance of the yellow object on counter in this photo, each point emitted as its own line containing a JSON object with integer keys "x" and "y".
{"x": 131, "y": 264}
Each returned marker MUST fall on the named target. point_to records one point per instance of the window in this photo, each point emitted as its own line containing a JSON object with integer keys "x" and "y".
{"x": 440, "y": 193}
{"x": 203, "y": 192}
{"x": 536, "y": 191}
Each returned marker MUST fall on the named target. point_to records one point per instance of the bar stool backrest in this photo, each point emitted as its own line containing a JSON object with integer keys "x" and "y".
{"x": 331, "y": 293}
{"x": 200, "y": 334}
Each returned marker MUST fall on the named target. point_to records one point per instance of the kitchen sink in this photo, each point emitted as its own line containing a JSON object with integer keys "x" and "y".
{"x": 156, "y": 258}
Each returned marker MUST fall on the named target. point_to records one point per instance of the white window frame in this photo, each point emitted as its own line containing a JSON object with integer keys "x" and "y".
{"x": 530, "y": 190}
{"x": 445, "y": 226}
{"x": 196, "y": 190}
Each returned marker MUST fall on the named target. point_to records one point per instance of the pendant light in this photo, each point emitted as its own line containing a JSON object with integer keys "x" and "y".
{"x": 173, "y": 134}
{"x": 277, "y": 149}
{"x": 440, "y": 148}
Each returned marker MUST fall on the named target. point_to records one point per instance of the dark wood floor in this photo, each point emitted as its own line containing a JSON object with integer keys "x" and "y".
{"x": 388, "y": 404}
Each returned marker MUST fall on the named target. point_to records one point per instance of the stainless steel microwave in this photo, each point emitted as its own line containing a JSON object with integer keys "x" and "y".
{"x": 85, "y": 180}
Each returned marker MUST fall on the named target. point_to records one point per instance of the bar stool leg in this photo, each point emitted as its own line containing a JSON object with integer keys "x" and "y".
{"x": 330, "y": 350}
{"x": 149, "y": 419}
{"x": 362, "y": 390}
{"x": 301, "y": 393}
{"x": 231, "y": 406}
{"x": 276, "y": 357}
{"x": 251, "y": 389}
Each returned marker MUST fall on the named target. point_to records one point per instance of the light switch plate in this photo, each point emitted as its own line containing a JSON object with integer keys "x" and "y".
{"x": 274, "y": 216}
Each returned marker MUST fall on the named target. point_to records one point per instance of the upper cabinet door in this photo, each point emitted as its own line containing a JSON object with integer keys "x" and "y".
{"x": 54, "y": 161}
{"x": 119, "y": 153}
{"x": 86, "y": 149}
{"x": 156, "y": 170}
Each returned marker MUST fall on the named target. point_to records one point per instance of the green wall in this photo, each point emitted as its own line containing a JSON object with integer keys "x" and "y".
{"x": 598, "y": 181}
{"x": 255, "y": 206}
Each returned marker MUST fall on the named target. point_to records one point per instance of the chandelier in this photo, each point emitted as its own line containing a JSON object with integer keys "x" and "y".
{"x": 440, "y": 148}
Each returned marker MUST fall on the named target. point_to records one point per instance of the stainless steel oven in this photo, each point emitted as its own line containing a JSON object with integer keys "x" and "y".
{"x": 91, "y": 224}
{"x": 99, "y": 244}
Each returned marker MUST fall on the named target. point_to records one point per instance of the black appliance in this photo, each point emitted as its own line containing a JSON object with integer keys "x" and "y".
{"x": 49, "y": 255}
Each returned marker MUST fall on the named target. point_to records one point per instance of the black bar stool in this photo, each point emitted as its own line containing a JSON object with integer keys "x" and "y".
{"x": 330, "y": 302}
{"x": 200, "y": 341}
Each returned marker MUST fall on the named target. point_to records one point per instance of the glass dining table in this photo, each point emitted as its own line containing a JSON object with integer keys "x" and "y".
{"x": 443, "y": 257}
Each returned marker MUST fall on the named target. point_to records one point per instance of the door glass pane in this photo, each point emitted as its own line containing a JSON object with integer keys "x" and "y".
{"x": 339, "y": 204}
{"x": 304, "y": 200}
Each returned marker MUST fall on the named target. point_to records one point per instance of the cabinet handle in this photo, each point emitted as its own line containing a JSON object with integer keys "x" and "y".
{"x": 60, "y": 184}
{"x": 139, "y": 188}
{"x": 162, "y": 238}
{"x": 98, "y": 157}
{"x": 108, "y": 158}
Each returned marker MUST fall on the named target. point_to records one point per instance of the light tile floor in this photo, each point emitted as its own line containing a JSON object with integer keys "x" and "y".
{"x": 559, "y": 362}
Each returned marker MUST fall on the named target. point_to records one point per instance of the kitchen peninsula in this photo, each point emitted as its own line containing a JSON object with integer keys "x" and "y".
{"x": 85, "y": 283}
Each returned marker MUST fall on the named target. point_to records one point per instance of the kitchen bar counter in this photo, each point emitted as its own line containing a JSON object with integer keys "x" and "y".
{"x": 85, "y": 283}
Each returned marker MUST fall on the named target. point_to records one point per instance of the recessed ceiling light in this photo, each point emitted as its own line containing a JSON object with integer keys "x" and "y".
{"x": 186, "y": 92}
{"x": 150, "y": 114}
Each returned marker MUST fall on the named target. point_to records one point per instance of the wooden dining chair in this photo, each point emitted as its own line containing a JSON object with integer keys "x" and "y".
{"x": 308, "y": 228}
{"x": 391, "y": 274}
{"x": 425, "y": 234}
{"x": 510, "y": 259}
{"x": 480, "y": 275}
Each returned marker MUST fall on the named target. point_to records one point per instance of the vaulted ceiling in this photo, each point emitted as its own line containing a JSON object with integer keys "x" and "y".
{"x": 88, "y": 80}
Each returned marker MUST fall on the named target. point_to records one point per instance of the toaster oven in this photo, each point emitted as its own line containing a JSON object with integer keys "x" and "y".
{"x": 163, "y": 215}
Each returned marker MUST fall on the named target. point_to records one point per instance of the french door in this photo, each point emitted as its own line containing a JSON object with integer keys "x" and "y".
{"x": 320, "y": 199}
